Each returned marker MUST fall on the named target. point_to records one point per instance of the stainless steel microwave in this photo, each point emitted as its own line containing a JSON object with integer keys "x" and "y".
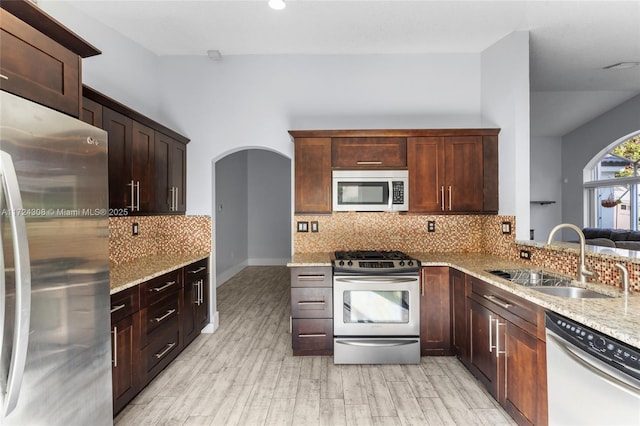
{"x": 370, "y": 190}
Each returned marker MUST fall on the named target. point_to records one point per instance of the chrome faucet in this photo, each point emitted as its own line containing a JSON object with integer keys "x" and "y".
{"x": 583, "y": 272}
{"x": 624, "y": 277}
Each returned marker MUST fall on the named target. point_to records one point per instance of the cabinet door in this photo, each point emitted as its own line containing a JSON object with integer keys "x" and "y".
{"x": 463, "y": 170}
{"x": 189, "y": 326}
{"x": 178, "y": 165}
{"x": 142, "y": 167}
{"x": 435, "y": 321}
{"x": 120, "y": 136}
{"x": 91, "y": 112}
{"x": 426, "y": 174}
{"x": 484, "y": 361}
{"x": 38, "y": 68}
{"x": 124, "y": 361}
{"x": 525, "y": 396}
{"x": 313, "y": 175}
{"x": 459, "y": 319}
{"x": 369, "y": 152}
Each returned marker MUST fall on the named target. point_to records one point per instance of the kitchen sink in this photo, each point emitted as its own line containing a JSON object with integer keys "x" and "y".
{"x": 532, "y": 277}
{"x": 544, "y": 282}
{"x": 571, "y": 292}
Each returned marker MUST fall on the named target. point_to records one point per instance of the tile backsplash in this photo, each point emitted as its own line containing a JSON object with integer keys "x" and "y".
{"x": 157, "y": 235}
{"x": 393, "y": 231}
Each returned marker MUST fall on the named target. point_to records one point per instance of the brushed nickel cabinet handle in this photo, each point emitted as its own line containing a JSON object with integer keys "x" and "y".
{"x": 498, "y": 351}
{"x": 368, "y": 163}
{"x": 450, "y": 198}
{"x": 4, "y": 77}
{"x": 497, "y": 301}
{"x": 114, "y": 333}
{"x": 168, "y": 313}
{"x": 313, "y": 335}
{"x": 442, "y": 198}
{"x": 202, "y": 268}
{"x": 164, "y": 287}
{"x": 311, "y": 302}
{"x": 165, "y": 351}
{"x": 133, "y": 195}
{"x": 491, "y": 333}
{"x": 319, "y": 277}
{"x": 117, "y": 308}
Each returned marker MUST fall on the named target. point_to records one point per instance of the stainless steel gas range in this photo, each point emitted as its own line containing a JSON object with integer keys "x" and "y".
{"x": 376, "y": 300}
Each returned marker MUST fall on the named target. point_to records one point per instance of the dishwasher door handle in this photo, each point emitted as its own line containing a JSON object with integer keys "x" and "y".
{"x": 613, "y": 381}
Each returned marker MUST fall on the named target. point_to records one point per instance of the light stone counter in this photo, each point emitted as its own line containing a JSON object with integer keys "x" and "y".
{"x": 618, "y": 317}
{"x": 129, "y": 274}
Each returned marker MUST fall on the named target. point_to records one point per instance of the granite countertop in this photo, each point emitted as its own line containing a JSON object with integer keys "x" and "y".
{"x": 129, "y": 274}
{"x": 618, "y": 317}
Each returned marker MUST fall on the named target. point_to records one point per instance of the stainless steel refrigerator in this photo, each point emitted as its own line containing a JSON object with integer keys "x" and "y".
{"x": 55, "y": 364}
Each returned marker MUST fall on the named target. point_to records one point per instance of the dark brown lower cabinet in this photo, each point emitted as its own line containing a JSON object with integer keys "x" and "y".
{"x": 460, "y": 289}
{"x": 312, "y": 311}
{"x": 507, "y": 351}
{"x": 435, "y": 311}
{"x": 152, "y": 323}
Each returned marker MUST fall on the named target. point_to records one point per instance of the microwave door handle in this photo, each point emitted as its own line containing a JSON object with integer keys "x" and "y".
{"x": 22, "y": 283}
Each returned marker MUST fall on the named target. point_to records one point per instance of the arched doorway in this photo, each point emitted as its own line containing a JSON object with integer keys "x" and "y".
{"x": 252, "y": 211}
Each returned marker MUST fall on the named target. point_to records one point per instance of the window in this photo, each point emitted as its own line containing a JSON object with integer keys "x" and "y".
{"x": 614, "y": 186}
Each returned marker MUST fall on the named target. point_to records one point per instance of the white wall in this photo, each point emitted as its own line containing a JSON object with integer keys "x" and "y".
{"x": 269, "y": 218}
{"x": 125, "y": 71}
{"x": 546, "y": 184}
{"x": 585, "y": 142}
{"x": 232, "y": 207}
{"x": 252, "y": 101}
{"x": 505, "y": 101}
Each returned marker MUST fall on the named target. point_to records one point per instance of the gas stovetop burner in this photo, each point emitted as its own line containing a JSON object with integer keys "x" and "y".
{"x": 366, "y": 262}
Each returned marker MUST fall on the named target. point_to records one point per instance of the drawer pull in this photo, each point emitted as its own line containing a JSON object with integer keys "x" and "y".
{"x": 311, "y": 277}
{"x": 117, "y": 308}
{"x": 369, "y": 163}
{"x": 164, "y": 287}
{"x": 159, "y": 319}
{"x": 202, "y": 268}
{"x": 313, "y": 335}
{"x": 4, "y": 77}
{"x": 165, "y": 351}
{"x": 311, "y": 303}
{"x": 497, "y": 301}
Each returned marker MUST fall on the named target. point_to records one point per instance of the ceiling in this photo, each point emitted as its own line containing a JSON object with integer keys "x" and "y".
{"x": 571, "y": 41}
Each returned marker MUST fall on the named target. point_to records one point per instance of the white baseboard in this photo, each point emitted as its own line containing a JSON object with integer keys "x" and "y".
{"x": 226, "y": 275}
{"x": 269, "y": 262}
{"x": 213, "y": 325}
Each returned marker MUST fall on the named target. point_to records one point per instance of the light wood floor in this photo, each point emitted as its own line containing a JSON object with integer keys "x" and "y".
{"x": 245, "y": 374}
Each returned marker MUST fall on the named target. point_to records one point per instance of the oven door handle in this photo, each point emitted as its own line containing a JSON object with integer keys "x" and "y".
{"x": 377, "y": 342}
{"x": 625, "y": 387}
{"x": 377, "y": 280}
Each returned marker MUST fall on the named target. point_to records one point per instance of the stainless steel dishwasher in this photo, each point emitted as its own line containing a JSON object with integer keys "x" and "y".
{"x": 592, "y": 378}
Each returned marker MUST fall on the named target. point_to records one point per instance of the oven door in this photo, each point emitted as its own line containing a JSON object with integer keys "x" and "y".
{"x": 376, "y": 306}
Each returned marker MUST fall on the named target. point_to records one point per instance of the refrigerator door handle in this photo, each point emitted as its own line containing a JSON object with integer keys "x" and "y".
{"x": 22, "y": 282}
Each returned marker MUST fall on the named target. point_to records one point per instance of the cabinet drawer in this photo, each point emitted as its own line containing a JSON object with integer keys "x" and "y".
{"x": 196, "y": 270}
{"x": 312, "y": 302}
{"x": 158, "y": 288}
{"x": 37, "y": 67}
{"x": 312, "y": 336}
{"x": 508, "y": 305}
{"x": 366, "y": 153}
{"x": 158, "y": 316}
{"x": 124, "y": 303}
{"x": 312, "y": 276}
{"x": 160, "y": 351}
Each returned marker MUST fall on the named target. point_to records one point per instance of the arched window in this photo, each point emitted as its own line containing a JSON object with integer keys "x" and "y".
{"x": 612, "y": 185}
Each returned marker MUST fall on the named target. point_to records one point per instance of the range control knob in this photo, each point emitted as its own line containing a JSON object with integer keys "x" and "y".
{"x": 341, "y": 263}
{"x": 410, "y": 263}
{"x": 349, "y": 263}
{"x": 401, "y": 263}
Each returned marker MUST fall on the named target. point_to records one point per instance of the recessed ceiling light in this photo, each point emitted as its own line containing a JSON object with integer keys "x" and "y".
{"x": 621, "y": 66}
{"x": 277, "y": 4}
